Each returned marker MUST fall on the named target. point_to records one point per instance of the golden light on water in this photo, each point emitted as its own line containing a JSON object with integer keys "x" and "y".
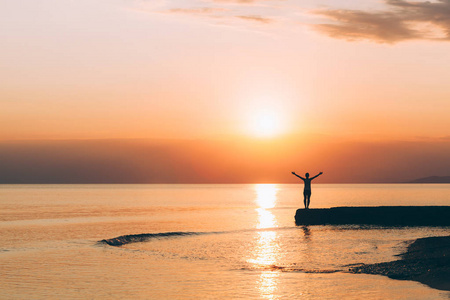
{"x": 268, "y": 284}
{"x": 266, "y": 195}
{"x": 267, "y": 250}
{"x": 266, "y": 219}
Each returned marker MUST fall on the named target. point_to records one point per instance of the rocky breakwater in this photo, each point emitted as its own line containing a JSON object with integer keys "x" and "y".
{"x": 379, "y": 215}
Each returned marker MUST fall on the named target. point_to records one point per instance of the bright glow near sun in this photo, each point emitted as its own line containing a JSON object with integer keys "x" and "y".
{"x": 265, "y": 124}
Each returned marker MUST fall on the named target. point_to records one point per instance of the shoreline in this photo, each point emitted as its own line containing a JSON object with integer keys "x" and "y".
{"x": 426, "y": 260}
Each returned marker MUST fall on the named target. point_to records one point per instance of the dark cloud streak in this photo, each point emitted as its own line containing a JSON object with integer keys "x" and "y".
{"x": 406, "y": 20}
{"x": 237, "y": 1}
{"x": 203, "y": 10}
{"x": 258, "y": 19}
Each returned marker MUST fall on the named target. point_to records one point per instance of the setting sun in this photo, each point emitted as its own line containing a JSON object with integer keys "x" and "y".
{"x": 266, "y": 124}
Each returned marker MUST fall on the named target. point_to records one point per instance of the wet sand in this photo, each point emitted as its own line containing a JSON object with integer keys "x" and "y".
{"x": 426, "y": 260}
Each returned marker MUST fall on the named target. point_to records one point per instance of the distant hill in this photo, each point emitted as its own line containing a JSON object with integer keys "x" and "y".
{"x": 432, "y": 179}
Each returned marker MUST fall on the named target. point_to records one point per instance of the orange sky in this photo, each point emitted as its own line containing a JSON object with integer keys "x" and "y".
{"x": 206, "y": 161}
{"x": 373, "y": 71}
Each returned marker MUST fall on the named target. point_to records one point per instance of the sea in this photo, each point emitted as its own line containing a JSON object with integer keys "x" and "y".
{"x": 211, "y": 241}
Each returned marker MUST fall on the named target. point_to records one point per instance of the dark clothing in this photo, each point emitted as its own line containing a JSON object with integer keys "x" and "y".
{"x": 307, "y": 182}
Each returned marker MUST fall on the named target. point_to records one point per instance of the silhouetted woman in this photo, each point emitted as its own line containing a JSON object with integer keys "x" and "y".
{"x": 307, "y": 189}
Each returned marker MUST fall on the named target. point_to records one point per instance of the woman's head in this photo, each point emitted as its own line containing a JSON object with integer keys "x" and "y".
{"x": 307, "y": 175}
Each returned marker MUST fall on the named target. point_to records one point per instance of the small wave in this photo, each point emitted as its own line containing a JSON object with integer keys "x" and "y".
{"x": 136, "y": 238}
{"x": 288, "y": 269}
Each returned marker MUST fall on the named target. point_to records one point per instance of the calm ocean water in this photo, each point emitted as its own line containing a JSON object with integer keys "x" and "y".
{"x": 242, "y": 242}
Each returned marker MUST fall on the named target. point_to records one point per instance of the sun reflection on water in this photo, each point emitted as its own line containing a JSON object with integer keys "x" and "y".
{"x": 268, "y": 284}
{"x": 266, "y": 253}
{"x": 265, "y": 219}
{"x": 266, "y": 195}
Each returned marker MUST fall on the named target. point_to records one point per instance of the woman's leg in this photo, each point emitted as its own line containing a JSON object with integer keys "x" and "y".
{"x": 308, "y": 197}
